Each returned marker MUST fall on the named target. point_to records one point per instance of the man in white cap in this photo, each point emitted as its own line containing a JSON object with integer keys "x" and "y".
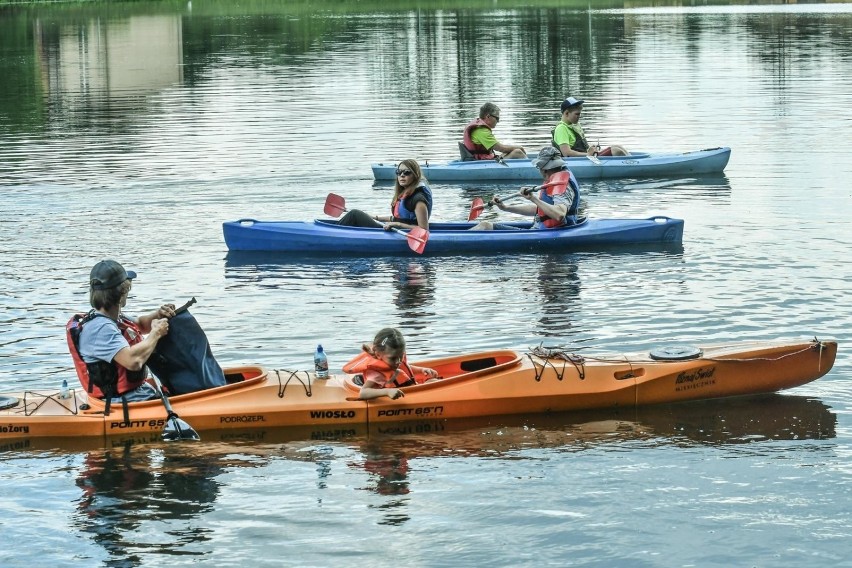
{"x": 568, "y": 136}
{"x": 553, "y": 204}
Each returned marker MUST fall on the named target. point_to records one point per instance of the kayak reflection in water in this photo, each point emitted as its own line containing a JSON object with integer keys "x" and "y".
{"x": 554, "y": 205}
{"x": 385, "y": 368}
{"x": 129, "y": 487}
{"x": 411, "y": 204}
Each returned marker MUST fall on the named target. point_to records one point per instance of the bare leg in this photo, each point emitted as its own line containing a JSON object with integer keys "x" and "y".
{"x": 483, "y": 226}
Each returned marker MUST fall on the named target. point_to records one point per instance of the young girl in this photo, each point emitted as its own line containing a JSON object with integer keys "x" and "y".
{"x": 385, "y": 367}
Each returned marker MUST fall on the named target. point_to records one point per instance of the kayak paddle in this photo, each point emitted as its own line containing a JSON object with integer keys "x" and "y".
{"x": 335, "y": 205}
{"x": 417, "y": 237}
{"x": 175, "y": 428}
{"x": 594, "y": 157}
{"x": 478, "y": 204}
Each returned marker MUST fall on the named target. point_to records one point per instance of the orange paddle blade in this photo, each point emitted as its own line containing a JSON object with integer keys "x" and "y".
{"x": 476, "y": 209}
{"x": 335, "y": 205}
{"x": 417, "y": 238}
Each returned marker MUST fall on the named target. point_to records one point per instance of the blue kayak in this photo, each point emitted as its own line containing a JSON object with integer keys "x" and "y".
{"x": 636, "y": 165}
{"x": 326, "y": 236}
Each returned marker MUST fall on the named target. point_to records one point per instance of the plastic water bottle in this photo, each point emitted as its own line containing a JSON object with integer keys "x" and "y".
{"x": 63, "y": 390}
{"x": 320, "y": 363}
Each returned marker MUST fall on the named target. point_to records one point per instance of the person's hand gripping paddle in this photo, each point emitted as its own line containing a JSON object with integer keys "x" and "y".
{"x": 479, "y": 205}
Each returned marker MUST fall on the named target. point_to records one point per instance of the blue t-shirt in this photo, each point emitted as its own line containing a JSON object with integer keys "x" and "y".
{"x": 101, "y": 340}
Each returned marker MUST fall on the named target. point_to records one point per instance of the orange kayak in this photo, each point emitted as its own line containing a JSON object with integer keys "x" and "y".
{"x": 499, "y": 382}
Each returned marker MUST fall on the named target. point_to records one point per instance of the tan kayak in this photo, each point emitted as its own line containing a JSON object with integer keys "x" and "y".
{"x": 500, "y": 382}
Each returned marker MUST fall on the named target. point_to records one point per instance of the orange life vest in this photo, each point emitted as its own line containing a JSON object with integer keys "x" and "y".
{"x": 403, "y": 376}
{"x": 102, "y": 379}
{"x": 479, "y": 151}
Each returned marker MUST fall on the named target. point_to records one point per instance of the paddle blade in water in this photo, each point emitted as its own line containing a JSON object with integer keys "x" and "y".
{"x": 335, "y": 205}
{"x": 177, "y": 429}
{"x": 475, "y": 209}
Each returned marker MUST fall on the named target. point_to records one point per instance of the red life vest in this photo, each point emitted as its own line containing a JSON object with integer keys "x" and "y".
{"x": 102, "y": 378}
{"x": 403, "y": 376}
{"x": 546, "y": 194}
{"x": 479, "y": 151}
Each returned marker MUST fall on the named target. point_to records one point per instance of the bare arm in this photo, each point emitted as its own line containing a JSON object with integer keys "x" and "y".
{"x": 567, "y": 151}
{"x": 429, "y": 372}
{"x": 134, "y": 357}
{"x": 522, "y": 209}
{"x": 422, "y": 213}
{"x": 554, "y": 211}
{"x": 164, "y": 311}
{"x": 368, "y": 393}
{"x": 373, "y": 388}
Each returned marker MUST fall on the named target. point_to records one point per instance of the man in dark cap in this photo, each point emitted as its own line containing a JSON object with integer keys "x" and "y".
{"x": 569, "y": 138}
{"x": 111, "y": 352}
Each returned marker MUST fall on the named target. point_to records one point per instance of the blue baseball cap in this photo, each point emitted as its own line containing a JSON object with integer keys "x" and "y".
{"x": 571, "y": 102}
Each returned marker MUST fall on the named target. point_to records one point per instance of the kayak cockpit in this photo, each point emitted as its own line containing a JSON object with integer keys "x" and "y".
{"x": 236, "y": 378}
{"x": 451, "y": 370}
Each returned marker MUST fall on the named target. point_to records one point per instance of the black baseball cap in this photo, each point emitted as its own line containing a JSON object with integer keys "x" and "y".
{"x": 108, "y": 274}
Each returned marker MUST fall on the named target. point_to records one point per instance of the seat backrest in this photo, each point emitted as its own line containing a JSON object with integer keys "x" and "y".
{"x": 465, "y": 154}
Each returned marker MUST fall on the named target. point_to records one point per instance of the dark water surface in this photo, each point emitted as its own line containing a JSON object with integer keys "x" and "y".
{"x": 133, "y": 131}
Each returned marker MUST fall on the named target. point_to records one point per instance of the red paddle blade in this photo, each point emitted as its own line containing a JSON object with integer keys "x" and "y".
{"x": 476, "y": 208}
{"x": 417, "y": 238}
{"x": 335, "y": 205}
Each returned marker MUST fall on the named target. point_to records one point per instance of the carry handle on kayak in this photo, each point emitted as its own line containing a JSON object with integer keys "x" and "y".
{"x": 478, "y": 204}
{"x": 417, "y": 237}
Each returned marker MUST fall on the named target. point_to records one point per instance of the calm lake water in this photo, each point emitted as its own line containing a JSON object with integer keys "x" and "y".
{"x": 132, "y": 131}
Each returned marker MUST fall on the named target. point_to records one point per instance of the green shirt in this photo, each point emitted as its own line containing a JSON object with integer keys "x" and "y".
{"x": 483, "y": 135}
{"x": 567, "y": 134}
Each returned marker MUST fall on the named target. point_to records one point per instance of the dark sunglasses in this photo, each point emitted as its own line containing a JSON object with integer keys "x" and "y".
{"x": 404, "y": 172}
{"x": 495, "y": 117}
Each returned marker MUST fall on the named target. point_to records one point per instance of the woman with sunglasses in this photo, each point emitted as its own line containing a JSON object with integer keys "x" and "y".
{"x": 411, "y": 204}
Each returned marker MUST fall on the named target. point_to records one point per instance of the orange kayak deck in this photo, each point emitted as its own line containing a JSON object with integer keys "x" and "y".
{"x": 499, "y": 382}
